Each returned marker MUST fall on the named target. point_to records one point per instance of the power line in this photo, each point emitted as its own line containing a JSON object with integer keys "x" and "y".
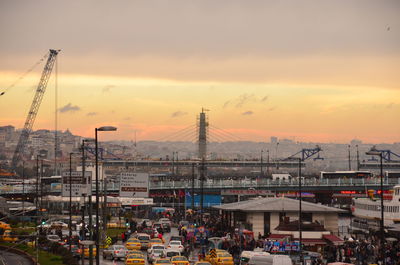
{"x": 25, "y": 74}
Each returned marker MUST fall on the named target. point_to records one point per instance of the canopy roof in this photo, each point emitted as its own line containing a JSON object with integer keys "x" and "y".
{"x": 276, "y": 204}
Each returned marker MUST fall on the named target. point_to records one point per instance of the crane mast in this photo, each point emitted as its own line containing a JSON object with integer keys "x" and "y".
{"x": 37, "y": 100}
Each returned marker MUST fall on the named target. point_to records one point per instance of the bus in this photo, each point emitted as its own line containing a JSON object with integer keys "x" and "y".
{"x": 346, "y": 174}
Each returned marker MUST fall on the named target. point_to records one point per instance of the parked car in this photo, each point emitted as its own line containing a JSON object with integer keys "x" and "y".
{"x": 115, "y": 252}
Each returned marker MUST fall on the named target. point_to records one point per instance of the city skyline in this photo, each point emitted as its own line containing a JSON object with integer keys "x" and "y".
{"x": 262, "y": 69}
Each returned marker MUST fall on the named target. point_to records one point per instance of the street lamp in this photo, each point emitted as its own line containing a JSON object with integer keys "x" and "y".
{"x": 101, "y": 129}
{"x": 70, "y": 200}
{"x": 89, "y": 183}
{"x": 374, "y": 152}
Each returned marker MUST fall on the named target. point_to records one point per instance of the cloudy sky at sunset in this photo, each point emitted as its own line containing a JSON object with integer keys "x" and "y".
{"x": 325, "y": 71}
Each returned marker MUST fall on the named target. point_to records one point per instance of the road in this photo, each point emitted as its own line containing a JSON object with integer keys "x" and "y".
{"x": 167, "y": 236}
{"x": 8, "y": 258}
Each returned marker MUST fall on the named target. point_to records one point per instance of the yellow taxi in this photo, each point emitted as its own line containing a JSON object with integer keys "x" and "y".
{"x": 221, "y": 258}
{"x": 8, "y": 237}
{"x": 144, "y": 240}
{"x": 135, "y": 259}
{"x": 213, "y": 252}
{"x": 155, "y": 241}
{"x": 179, "y": 260}
{"x": 133, "y": 243}
{"x": 134, "y": 251}
{"x": 86, "y": 252}
{"x": 202, "y": 263}
{"x": 162, "y": 262}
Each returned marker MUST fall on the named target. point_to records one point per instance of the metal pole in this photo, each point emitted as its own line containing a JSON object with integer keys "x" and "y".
{"x": 89, "y": 202}
{"x": 37, "y": 208}
{"x": 192, "y": 186}
{"x": 23, "y": 193}
{"x": 300, "y": 221}
{"x": 97, "y": 201}
{"x": 41, "y": 187}
{"x": 83, "y": 226}
{"x": 105, "y": 206}
{"x": 201, "y": 190}
{"x": 70, "y": 202}
{"x": 261, "y": 164}
{"x": 267, "y": 163}
{"x": 382, "y": 216}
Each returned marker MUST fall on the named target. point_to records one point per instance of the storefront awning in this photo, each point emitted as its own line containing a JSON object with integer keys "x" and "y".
{"x": 335, "y": 240}
{"x": 313, "y": 241}
{"x": 277, "y": 236}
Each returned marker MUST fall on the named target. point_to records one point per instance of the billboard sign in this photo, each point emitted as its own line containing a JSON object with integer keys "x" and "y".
{"x": 134, "y": 185}
{"x": 78, "y": 185}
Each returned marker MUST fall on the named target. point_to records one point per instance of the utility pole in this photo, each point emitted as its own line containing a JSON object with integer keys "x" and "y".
{"x": 23, "y": 192}
{"x": 70, "y": 201}
{"x": 201, "y": 190}
{"x": 261, "y": 163}
{"x": 300, "y": 213}
{"x": 89, "y": 182}
{"x": 267, "y": 163}
{"x": 192, "y": 186}
{"x": 41, "y": 187}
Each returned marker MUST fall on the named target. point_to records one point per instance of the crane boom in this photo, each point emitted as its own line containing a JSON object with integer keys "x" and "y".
{"x": 37, "y": 100}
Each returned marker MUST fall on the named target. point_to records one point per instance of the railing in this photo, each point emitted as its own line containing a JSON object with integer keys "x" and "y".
{"x": 263, "y": 183}
{"x": 229, "y": 184}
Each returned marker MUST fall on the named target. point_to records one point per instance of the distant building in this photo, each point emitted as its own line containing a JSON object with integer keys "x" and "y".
{"x": 264, "y": 215}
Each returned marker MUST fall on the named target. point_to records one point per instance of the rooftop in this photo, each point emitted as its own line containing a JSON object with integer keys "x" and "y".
{"x": 277, "y": 204}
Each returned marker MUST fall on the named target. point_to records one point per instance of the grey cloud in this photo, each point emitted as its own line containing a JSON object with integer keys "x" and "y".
{"x": 92, "y": 114}
{"x": 243, "y": 99}
{"x": 178, "y": 114}
{"x": 69, "y": 108}
{"x": 226, "y": 104}
{"x": 272, "y": 109}
{"x": 248, "y": 113}
{"x": 264, "y": 99}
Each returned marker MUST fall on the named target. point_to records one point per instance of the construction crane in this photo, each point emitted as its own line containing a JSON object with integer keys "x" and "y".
{"x": 37, "y": 100}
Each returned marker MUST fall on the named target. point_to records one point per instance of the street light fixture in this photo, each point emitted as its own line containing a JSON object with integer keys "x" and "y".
{"x": 374, "y": 152}
{"x": 101, "y": 129}
{"x": 89, "y": 182}
{"x": 70, "y": 200}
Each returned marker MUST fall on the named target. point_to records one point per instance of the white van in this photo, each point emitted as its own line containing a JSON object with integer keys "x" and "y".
{"x": 246, "y": 255}
{"x": 270, "y": 260}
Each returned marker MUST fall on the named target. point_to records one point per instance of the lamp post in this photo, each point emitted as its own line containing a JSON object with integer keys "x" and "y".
{"x": 70, "y": 200}
{"x": 89, "y": 182}
{"x": 376, "y": 152}
{"x": 101, "y": 129}
{"x": 300, "y": 212}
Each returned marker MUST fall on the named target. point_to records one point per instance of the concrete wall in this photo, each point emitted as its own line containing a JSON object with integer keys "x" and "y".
{"x": 274, "y": 221}
{"x": 332, "y": 222}
{"x": 257, "y": 220}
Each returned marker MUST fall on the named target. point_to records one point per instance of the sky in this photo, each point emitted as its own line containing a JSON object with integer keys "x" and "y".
{"x": 320, "y": 71}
